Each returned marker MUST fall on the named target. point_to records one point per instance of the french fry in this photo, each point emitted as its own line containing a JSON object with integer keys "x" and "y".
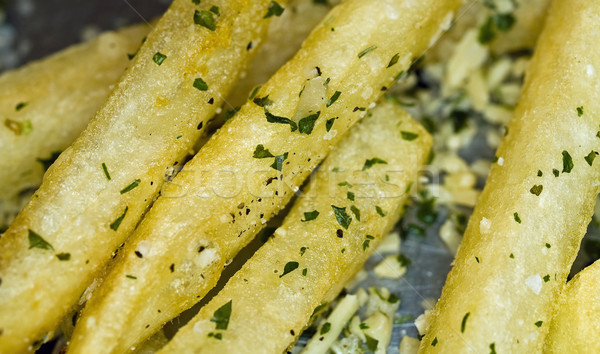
{"x": 45, "y": 105}
{"x": 575, "y": 326}
{"x": 98, "y": 189}
{"x": 312, "y": 255}
{"x": 249, "y": 170}
{"x": 527, "y": 226}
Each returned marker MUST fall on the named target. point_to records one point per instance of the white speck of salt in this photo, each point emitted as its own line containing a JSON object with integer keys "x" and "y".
{"x": 590, "y": 70}
{"x": 224, "y": 218}
{"x": 485, "y": 225}
{"x": 500, "y": 161}
{"x": 198, "y": 327}
{"x": 534, "y": 283}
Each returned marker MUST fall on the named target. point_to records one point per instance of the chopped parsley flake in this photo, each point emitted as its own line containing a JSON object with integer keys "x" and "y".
{"x": 274, "y": 10}
{"x": 580, "y": 111}
{"x": 345, "y": 183}
{"x": 350, "y": 196}
{"x": 590, "y": 157}
{"x": 200, "y": 84}
{"x": 306, "y": 124}
{"x": 372, "y": 343}
{"x": 355, "y": 211}
{"x": 304, "y": 272}
{"x": 555, "y": 172}
{"x": 539, "y": 323}
{"x": 409, "y": 136}
{"x": 434, "y": 342}
{"x": 487, "y": 32}
{"x": 218, "y": 336}
{"x": 567, "y": 162}
{"x": 131, "y": 276}
{"x": 493, "y": 348}
{"x": 36, "y": 241}
{"x": 512, "y": 256}
{"x": 260, "y": 152}
{"x": 548, "y": 245}
{"x": 280, "y": 120}
{"x": 342, "y": 217}
{"x": 309, "y": 216}
{"x": 546, "y": 278}
{"x": 394, "y": 60}
{"x": 329, "y": 123}
{"x": 303, "y": 250}
{"x": 404, "y": 262}
{"x": 158, "y": 58}
{"x": 221, "y": 316}
{"x": 215, "y": 10}
{"x": 477, "y": 259}
{"x": 463, "y": 324}
{"x": 363, "y": 326}
{"x": 325, "y": 328}
{"x": 370, "y": 162}
{"x": 105, "y": 169}
{"x": 333, "y": 98}
{"x": 540, "y": 173}
{"x": 262, "y": 101}
{"x": 504, "y": 22}
{"x": 537, "y": 189}
{"x": 46, "y": 163}
{"x": 205, "y": 19}
{"x": 115, "y": 224}
{"x": 20, "y": 106}
{"x": 517, "y": 218}
{"x": 133, "y": 184}
{"x": 19, "y": 128}
{"x": 289, "y": 267}
{"x": 278, "y": 164}
{"x": 63, "y": 256}
{"x": 366, "y": 50}
{"x": 380, "y": 211}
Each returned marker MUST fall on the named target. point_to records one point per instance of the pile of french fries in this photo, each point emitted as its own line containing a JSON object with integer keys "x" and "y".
{"x": 190, "y": 138}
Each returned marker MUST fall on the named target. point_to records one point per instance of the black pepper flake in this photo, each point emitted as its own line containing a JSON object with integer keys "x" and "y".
{"x": 201, "y": 248}
{"x": 340, "y": 233}
{"x": 249, "y": 46}
{"x": 200, "y": 125}
{"x": 172, "y": 267}
{"x": 139, "y": 254}
{"x": 211, "y": 101}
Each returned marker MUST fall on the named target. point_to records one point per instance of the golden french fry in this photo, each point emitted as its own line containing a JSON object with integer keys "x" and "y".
{"x": 575, "y": 326}
{"x": 46, "y": 104}
{"x": 324, "y": 240}
{"x": 98, "y": 189}
{"x": 526, "y": 229}
{"x": 250, "y": 169}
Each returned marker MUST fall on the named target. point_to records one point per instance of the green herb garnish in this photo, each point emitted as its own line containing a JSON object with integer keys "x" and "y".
{"x": 205, "y": 19}
{"x": 567, "y": 162}
{"x": 366, "y": 50}
{"x": 221, "y": 316}
{"x": 370, "y": 162}
{"x": 309, "y": 216}
{"x": 158, "y": 58}
{"x": 306, "y": 124}
{"x": 200, "y": 84}
{"x": 260, "y": 152}
{"x": 289, "y": 267}
{"x": 274, "y": 10}
{"x": 280, "y": 120}
{"x": 342, "y": 217}
{"x": 63, "y": 256}
{"x": 333, "y": 98}
{"x": 105, "y": 169}
{"x": 131, "y": 186}
{"x": 36, "y": 241}
{"x": 115, "y": 224}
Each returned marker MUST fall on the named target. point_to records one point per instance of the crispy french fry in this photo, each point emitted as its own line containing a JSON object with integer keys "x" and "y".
{"x": 98, "y": 189}
{"x": 46, "y": 104}
{"x": 269, "y": 306}
{"x": 576, "y": 324}
{"x": 527, "y": 226}
{"x": 250, "y": 169}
